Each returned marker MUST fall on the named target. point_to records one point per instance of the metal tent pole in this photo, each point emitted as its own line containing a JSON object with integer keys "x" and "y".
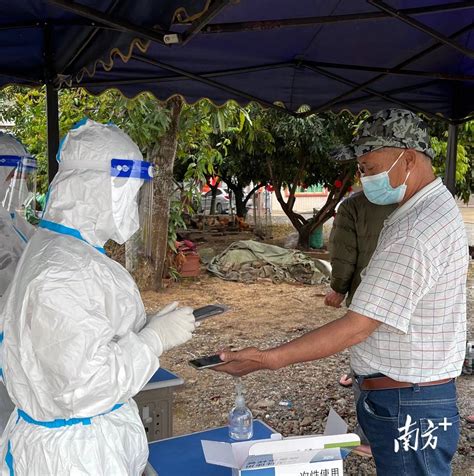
{"x": 52, "y": 109}
{"x": 450, "y": 173}
{"x": 52, "y": 116}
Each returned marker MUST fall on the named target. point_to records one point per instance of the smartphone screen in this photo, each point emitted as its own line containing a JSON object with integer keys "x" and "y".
{"x": 206, "y": 362}
{"x": 208, "y": 311}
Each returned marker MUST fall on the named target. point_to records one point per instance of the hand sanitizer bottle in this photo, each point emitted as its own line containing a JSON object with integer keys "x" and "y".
{"x": 240, "y": 417}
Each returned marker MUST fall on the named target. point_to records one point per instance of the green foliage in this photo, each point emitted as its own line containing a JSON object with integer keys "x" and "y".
{"x": 195, "y": 156}
{"x": 302, "y": 147}
{"x": 246, "y": 148}
{"x": 439, "y": 163}
{"x": 250, "y": 145}
{"x": 465, "y": 152}
{"x": 26, "y": 110}
{"x": 203, "y": 143}
{"x": 178, "y": 208}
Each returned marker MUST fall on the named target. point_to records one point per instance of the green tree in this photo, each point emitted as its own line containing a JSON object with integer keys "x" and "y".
{"x": 203, "y": 144}
{"x": 301, "y": 158}
{"x": 244, "y": 160}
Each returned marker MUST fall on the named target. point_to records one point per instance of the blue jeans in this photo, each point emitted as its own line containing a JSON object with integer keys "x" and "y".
{"x": 356, "y": 391}
{"x": 412, "y": 431}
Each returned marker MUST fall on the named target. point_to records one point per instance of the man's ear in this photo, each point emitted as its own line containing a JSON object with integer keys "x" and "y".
{"x": 411, "y": 158}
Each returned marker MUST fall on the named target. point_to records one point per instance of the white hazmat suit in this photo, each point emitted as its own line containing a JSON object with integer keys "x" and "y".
{"x": 14, "y": 234}
{"x": 11, "y": 248}
{"x": 75, "y": 348}
{"x": 14, "y": 231}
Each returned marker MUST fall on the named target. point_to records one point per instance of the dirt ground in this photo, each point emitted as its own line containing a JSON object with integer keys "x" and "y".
{"x": 265, "y": 314}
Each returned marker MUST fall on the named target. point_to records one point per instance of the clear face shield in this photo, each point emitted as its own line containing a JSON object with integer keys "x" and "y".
{"x": 135, "y": 179}
{"x": 18, "y": 187}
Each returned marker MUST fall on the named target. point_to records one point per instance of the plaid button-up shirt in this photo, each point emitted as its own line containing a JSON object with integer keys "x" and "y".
{"x": 415, "y": 285}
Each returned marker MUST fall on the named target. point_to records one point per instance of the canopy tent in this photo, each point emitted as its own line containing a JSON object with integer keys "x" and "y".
{"x": 332, "y": 54}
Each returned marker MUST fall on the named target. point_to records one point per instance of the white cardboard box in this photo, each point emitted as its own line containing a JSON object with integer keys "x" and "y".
{"x": 293, "y": 456}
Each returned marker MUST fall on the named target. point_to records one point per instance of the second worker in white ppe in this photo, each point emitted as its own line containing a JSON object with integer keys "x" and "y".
{"x": 77, "y": 347}
{"x": 14, "y": 233}
{"x": 17, "y": 182}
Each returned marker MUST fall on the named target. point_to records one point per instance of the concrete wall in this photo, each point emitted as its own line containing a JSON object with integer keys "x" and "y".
{"x": 304, "y": 203}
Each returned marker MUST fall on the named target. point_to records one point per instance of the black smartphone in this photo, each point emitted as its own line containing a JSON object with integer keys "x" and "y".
{"x": 210, "y": 310}
{"x": 206, "y": 362}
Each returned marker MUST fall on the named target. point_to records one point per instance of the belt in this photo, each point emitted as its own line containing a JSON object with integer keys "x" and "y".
{"x": 387, "y": 383}
{"x": 60, "y": 422}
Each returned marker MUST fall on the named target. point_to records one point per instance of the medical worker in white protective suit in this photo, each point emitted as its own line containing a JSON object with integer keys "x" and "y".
{"x": 14, "y": 233}
{"x": 14, "y": 229}
{"x": 77, "y": 347}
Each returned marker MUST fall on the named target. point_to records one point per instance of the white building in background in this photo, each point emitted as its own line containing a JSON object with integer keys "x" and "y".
{"x": 306, "y": 200}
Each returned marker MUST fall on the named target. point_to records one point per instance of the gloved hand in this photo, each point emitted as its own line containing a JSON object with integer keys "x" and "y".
{"x": 170, "y": 307}
{"x": 172, "y": 325}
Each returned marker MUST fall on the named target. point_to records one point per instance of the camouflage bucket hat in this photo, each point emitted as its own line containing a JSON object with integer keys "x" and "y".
{"x": 388, "y": 128}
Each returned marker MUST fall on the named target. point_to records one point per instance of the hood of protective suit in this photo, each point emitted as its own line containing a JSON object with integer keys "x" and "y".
{"x": 8, "y": 146}
{"x": 89, "y": 199}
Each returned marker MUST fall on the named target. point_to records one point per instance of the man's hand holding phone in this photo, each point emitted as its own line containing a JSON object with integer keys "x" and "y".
{"x": 237, "y": 363}
{"x": 206, "y": 362}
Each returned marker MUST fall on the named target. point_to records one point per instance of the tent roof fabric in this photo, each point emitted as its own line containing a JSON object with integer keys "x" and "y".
{"x": 40, "y": 41}
{"x": 332, "y": 54}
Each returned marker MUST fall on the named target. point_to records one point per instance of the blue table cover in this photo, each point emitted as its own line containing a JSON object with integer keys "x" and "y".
{"x": 183, "y": 455}
{"x": 162, "y": 375}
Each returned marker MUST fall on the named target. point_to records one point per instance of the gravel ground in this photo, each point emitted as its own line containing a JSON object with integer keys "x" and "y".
{"x": 265, "y": 314}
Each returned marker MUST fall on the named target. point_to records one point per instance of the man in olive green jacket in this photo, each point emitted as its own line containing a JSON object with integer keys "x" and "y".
{"x": 352, "y": 242}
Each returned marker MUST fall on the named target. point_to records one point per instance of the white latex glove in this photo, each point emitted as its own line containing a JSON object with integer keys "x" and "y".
{"x": 172, "y": 325}
{"x": 170, "y": 307}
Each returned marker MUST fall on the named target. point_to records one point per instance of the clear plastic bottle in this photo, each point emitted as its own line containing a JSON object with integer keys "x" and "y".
{"x": 240, "y": 417}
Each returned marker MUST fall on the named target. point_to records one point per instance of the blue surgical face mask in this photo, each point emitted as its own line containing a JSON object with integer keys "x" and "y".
{"x": 378, "y": 190}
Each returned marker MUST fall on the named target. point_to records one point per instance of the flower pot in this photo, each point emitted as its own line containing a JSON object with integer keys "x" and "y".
{"x": 191, "y": 266}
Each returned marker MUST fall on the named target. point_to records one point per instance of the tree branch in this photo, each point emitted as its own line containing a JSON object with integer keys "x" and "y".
{"x": 334, "y": 197}
{"x": 254, "y": 189}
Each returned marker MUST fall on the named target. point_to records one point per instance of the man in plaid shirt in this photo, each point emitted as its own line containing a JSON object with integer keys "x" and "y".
{"x": 406, "y": 325}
